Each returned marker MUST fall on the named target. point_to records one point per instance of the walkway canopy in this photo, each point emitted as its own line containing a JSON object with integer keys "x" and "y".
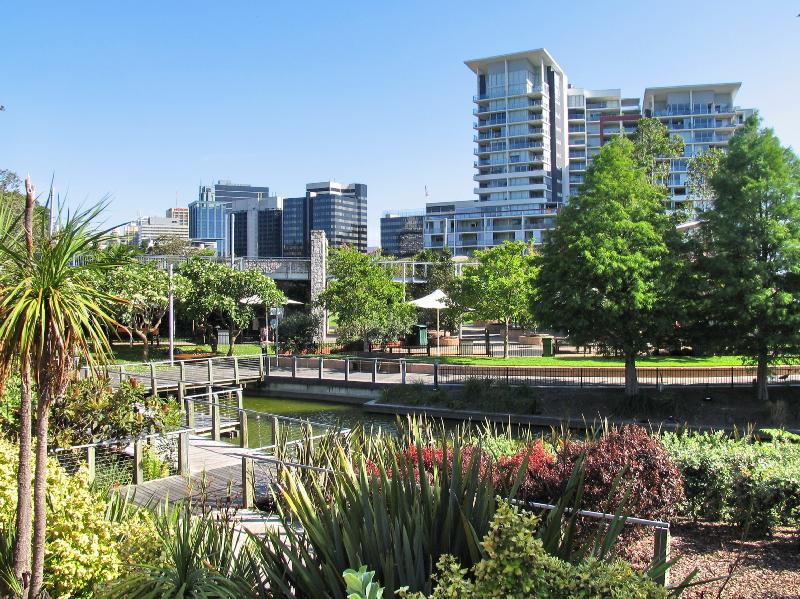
{"x": 436, "y": 300}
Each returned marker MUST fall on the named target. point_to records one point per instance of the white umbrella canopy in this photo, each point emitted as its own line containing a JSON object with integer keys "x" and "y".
{"x": 254, "y": 300}
{"x": 435, "y": 300}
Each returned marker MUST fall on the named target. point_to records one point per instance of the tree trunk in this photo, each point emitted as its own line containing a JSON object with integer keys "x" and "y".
{"x": 22, "y": 544}
{"x": 232, "y": 335}
{"x": 505, "y": 338}
{"x": 40, "y": 497}
{"x": 762, "y": 376}
{"x": 145, "y": 348}
{"x": 366, "y": 343}
{"x": 631, "y": 382}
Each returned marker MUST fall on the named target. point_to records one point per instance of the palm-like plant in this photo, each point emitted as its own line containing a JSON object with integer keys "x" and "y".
{"x": 52, "y": 313}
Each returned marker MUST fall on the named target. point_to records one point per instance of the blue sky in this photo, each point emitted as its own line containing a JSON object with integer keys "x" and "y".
{"x": 145, "y": 101}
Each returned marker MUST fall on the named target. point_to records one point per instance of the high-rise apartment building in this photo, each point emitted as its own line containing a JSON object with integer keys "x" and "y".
{"x": 401, "y": 234}
{"x": 705, "y": 116}
{"x": 536, "y": 135}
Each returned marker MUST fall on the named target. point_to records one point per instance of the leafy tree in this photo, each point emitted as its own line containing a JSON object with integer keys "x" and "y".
{"x": 601, "y": 277}
{"x": 170, "y": 245}
{"x": 499, "y": 287}
{"x": 144, "y": 290}
{"x": 702, "y": 169}
{"x": 752, "y": 261}
{"x": 652, "y": 145}
{"x": 369, "y": 306}
{"x": 52, "y": 314}
{"x": 214, "y": 293}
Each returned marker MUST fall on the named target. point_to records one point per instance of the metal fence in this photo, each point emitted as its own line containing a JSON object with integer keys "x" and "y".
{"x": 717, "y": 376}
{"x": 120, "y": 462}
{"x": 466, "y": 348}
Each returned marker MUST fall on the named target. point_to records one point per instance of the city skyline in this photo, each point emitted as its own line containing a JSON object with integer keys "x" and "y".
{"x": 389, "y": 106}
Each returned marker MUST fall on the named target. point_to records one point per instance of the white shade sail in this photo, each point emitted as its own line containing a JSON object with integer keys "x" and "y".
{"x": 436, "y": 300}
{"x": 255, "y": 300}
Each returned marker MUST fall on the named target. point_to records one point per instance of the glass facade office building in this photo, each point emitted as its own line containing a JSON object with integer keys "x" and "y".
{"x": 296, "y": 234}
{"x": 208, "y": 215}
{"x": 341, "y": 211}
{"x": 401, "y": 235}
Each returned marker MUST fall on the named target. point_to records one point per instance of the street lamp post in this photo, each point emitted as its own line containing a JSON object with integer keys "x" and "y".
{"x": 171, "y": 319}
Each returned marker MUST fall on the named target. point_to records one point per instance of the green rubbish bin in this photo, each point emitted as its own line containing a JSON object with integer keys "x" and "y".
{"x": 547, "y": 347}
{"x": 420, "y": 334}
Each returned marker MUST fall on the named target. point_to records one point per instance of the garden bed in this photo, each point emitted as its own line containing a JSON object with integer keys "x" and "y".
{"x": 768, "y": 567}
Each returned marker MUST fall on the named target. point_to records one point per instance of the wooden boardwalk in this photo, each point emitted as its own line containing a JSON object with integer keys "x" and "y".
{"x": 214, "y": 482}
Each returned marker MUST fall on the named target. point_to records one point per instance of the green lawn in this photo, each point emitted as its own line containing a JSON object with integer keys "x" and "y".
{"x": 586, "y": 361}
{"x": 125, "y": 353}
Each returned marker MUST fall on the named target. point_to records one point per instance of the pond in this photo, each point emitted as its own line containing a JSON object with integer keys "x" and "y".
{"x": 344, "y": 415}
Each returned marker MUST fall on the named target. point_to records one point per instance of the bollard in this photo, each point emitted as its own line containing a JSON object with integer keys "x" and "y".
{"x": 182, "y": 370}
{"x": 347, "y": 369}
{"x": 236, "y": 370}
{"x": 294, "y": 366}
{"x": 243, "y": 433}
{"x": 248, "y": 483}
{"x": 403, "y": 372}
{"x": 138, "y": 453}
{"x": 90, "y": 462}
{"x": 261, "y": 366}
{"x": 661, "y": 552}
{"x": 183, "y": 454}
{"x": 436, "y": 373}
{"x": 375, "y": 370}
{"x": 320, "y": 361}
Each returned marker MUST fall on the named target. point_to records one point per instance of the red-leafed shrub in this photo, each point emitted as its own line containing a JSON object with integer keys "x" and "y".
{"x": 434, "y": 457}
{"x": 541, "y": 477}
{"x": 654, "y": 480}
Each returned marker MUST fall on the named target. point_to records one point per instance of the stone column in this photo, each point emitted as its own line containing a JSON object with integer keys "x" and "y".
{"x": 319, "y": 276}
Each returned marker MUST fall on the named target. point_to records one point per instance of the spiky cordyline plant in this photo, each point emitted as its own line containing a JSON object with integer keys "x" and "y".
{"x": 51, "y": 312}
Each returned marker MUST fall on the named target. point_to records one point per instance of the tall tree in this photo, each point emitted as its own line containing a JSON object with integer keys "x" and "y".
{"x": 500, "y": 286}
{"x": 368, "y": 305}
{"x": 53, "y": 313}
{"x": 145, "y": 292}
{"x": 653, "y": 147}
{"x": 702, "y": 169}
{"x": 601, "y": 269}
{"x": 214, "y": 293}
{"x": 752, "y": 262}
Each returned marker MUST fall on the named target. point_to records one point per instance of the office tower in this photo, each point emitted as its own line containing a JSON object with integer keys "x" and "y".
{"x": 296, "y": 240}
{"x": 340, "y": 210}
{"x": 255, "y": 223}
{"x": 151, "y": 228}
{"x": 208, "y": 214}
{"x": 179, "y": 214}
{"x": 401, "y": 234}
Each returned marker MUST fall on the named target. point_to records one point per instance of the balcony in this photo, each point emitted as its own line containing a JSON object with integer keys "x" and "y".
{"x": 484, "y": 135}
{"x": 498, "y": 120}
{"x": 490, "y": 162}
{"x": 524, "y": 145}
{"x": 577, "y": 128}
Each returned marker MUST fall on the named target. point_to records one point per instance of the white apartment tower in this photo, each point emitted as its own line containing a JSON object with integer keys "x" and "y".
{"x": 521, "y": 132}
{"x": 536, "y": 135}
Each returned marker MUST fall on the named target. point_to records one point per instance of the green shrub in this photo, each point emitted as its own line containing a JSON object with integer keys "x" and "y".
{"x": 81, "y": 550}
{"x": 91, "y": 410}
{"x": 751, "y": 483}
{"x": 153, "y": 466}
{"x": 515, "y": 564}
